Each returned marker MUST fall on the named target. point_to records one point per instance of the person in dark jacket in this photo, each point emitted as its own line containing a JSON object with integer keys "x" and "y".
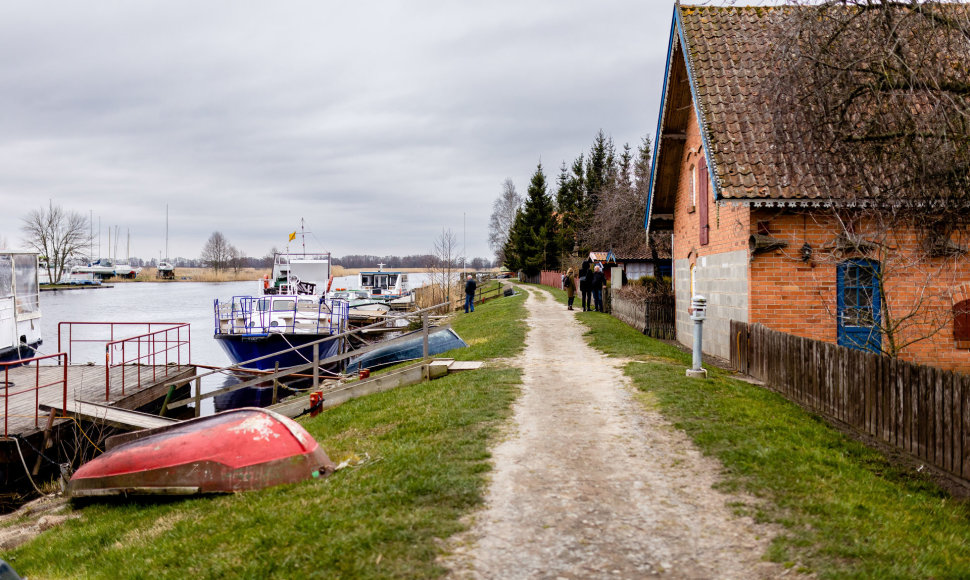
{"x": 596, "y": 285}
{"x": 470, "y": 286}
{"x": 585, "y": 278}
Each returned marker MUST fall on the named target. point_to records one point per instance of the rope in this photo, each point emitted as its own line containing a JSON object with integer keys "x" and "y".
{"x": 41, "y": 453}
{"x": 24, "y": 463}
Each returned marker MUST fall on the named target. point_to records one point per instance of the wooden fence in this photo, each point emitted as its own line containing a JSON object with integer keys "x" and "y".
{"x": 653, "y": 316}
{"x": 918, "y": 409}
{"x": 431, "y": 294}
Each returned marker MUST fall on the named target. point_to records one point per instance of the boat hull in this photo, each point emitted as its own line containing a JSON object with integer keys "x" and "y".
{"x": 242, "y": 348}
{"x": 407, "y": 350}
{"x": 238, "y": 450}
{"x": 13, "y": 354}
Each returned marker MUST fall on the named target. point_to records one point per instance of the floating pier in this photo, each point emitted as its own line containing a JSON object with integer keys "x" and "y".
{"x": 49, "y": 406}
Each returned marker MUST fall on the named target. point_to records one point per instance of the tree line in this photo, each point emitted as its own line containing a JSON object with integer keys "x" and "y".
{"x": 598, "y": 204}
{"x": 63, "y": 237}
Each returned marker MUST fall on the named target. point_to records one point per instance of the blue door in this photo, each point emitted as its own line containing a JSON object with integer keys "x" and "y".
{"x": 858, "y": 305}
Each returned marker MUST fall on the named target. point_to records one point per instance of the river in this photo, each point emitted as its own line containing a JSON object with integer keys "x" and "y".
{"x": 190, "y": 302}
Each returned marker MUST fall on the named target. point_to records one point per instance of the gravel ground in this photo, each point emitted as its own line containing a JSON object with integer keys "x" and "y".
{"x": 590, "y": 482}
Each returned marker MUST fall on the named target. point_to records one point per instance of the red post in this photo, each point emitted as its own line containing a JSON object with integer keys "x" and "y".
{"x": 107, "y": 373}
{"x": 36, "y": 394}
{"x": 64, "y": 364}
{"x": 6, "y": 398}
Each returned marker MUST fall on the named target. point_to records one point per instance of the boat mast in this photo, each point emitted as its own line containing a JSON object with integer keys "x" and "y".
{"x": 166, "y": 232}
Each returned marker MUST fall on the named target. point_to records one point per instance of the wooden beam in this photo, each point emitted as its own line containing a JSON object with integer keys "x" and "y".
{"x": 113, "y": 416}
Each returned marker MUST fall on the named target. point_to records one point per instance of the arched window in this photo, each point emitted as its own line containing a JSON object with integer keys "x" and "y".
{"x": 692, "y": 192}
{"x": 961, "y": 324}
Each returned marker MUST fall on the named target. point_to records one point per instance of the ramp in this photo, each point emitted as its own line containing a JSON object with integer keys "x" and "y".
{"x": 113, "y": 416}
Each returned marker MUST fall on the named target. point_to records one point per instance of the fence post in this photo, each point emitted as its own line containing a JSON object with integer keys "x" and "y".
{"x": 198, "y": 397}
{"x": 424, "y": 331}
{"x": 276, "y": 380}
{"x": 316, "y": 364}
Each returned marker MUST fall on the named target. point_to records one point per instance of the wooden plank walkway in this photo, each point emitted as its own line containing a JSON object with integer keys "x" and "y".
{"x": 112, "y": 416}
{"x": 20, "y": 410}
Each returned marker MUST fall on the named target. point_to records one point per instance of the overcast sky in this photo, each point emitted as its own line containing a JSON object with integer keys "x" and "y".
{"x": 380, "y": 123}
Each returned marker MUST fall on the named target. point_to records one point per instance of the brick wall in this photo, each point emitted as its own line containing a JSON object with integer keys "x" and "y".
{"x": 799, "y": 297}
{"x": 786, "y": 293}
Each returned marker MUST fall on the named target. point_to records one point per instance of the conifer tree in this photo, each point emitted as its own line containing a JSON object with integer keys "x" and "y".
{"x": 533, "y": 240}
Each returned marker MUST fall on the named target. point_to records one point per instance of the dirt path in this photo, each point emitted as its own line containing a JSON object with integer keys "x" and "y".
{"x": 590, "y": 484}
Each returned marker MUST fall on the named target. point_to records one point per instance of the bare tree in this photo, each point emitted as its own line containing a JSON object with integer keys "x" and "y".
{"x": 56, "y": 233}
{"x": 217, "y": 253}
{"x": 443, "y": 267}
{"x": 503, "y": 216}
{"x": 873, "y": 98}
{"x": 617, "y": 222}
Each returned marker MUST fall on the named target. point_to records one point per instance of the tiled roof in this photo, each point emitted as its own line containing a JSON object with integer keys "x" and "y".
{"x": 754, "y": 149}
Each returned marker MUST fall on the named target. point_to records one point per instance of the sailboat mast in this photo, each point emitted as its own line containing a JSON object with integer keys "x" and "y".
{"x": 166, "y": 232}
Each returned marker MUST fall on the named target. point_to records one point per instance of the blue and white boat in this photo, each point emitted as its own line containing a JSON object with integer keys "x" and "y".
{"x": 291, "y": 309}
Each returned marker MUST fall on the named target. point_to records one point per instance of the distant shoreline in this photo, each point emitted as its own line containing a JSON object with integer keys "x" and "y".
{"x": 148, "y": 274}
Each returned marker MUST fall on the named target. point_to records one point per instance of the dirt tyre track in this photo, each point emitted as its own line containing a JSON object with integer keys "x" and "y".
{"x": 589, "y": 483}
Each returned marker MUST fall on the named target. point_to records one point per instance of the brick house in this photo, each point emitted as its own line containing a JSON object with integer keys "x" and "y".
{"x": 750, "y": 224}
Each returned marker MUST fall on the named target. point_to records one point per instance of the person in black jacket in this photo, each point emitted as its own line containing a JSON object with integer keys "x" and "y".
{"x": 585, "y": 278}
{"x": 596, "y": 285}
{"x": 470, "y": 286}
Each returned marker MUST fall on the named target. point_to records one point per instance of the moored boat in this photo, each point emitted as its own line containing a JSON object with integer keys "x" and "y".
{"x": 19, "y": 306}
{"x": 410, "y": 348}
{"x": 384, "y": 284}
{"x": 236, "y": 450}
{"x": 292, "y": 311}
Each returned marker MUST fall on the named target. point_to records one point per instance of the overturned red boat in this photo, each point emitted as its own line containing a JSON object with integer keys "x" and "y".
{"x": 237, "y": 450}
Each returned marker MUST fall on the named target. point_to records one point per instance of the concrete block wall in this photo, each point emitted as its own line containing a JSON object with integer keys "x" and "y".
{"x": 723, "y": 280}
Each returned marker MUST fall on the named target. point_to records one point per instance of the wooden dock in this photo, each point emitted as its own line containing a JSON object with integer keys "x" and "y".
{"x": 131, "y": 387}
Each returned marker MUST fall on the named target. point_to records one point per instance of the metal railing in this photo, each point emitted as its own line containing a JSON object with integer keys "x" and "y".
{"x": 260, "y": 315}
{"x": 153, "y": 348}
{"x": 314, "y": 361}
{"x": 36, "y": 387}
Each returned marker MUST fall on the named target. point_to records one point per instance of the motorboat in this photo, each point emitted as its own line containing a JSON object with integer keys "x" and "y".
{"x": 362, "y": 308}
{"x": 103, "y": 268}
{"x": 236, "y": 450}
{"x": 291, "y": 310}
{"x": 384, "y": 284}
{"x": 19, "y": 306}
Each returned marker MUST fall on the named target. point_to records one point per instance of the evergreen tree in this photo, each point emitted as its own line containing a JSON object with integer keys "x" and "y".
{"x": 533, "y": 239}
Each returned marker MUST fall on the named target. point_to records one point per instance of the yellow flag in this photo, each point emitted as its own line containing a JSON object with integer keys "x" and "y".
{"x": 292, "y": 236}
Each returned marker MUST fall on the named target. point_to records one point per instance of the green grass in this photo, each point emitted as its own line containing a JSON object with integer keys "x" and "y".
{"x": 425, "y": 450}
{"x": 844, "y": 510}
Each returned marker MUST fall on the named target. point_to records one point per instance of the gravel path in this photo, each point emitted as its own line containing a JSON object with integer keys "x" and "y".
{"x": 589, "y": 483}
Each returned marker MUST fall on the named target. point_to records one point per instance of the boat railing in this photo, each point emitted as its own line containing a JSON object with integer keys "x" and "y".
{"x": 249, "y": 315}
{"x": 45, "y": 381}
{"x": 157, "y": 344}
{"x": 315, "y": 362}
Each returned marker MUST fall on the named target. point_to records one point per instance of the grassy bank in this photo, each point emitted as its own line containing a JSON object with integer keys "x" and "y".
{"x": 423, "y": 455}
{"x": 842, "y": 508}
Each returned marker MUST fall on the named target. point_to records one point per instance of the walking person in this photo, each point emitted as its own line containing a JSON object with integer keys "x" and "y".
{"x": 585, "y": 278}
{"x": 596, "y": 285}
{"x": 570, "y": 287}
{"x": 470, "y": 286}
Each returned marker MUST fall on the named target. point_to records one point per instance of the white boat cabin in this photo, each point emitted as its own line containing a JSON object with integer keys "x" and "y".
{"x": 19, "y": 305}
